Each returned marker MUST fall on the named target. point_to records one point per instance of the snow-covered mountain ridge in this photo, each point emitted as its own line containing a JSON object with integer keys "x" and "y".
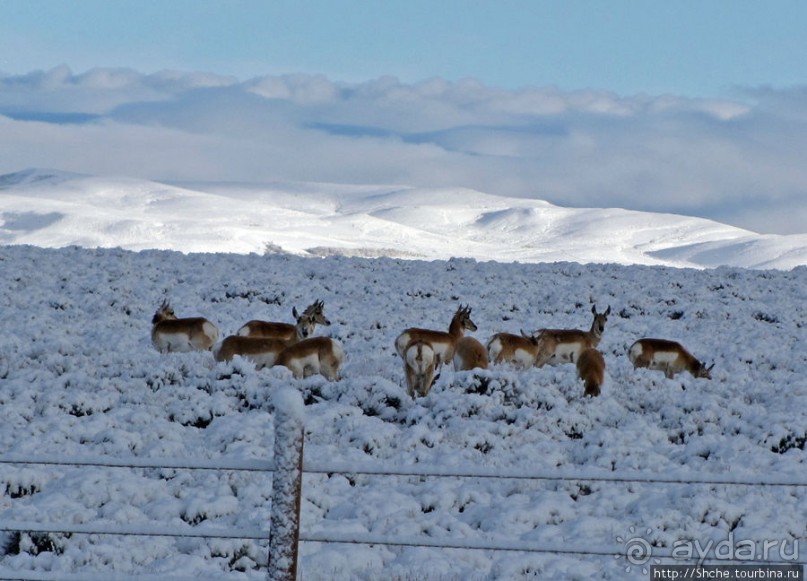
{"x": 51, "y": 208}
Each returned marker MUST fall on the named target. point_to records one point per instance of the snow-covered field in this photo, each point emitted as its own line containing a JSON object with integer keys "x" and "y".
{"x": 79, "y": 377}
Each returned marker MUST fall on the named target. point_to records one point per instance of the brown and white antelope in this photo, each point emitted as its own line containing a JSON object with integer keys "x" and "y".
{"x": 591, "y": 369}
{"x": 667, "y": 356}
{"x": 470, "y": 354}
{"x": 170, "y": 334}
{"x": 522, "y": 351}
{"x": 566, "y": 345}
{"x": 420, "y": 362}
{"x": 262, "y": 351}
{"x": 321, "y": 355}
{"x": 304, "y": 327}
{"x": 443, "y": 343}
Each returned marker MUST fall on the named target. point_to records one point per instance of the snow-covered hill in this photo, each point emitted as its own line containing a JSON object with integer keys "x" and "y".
{"x": 57, "y": 209}
{"x": 79, "y": 378}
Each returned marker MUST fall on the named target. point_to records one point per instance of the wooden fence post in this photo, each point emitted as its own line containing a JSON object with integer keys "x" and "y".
{"x": 284, "y": 528}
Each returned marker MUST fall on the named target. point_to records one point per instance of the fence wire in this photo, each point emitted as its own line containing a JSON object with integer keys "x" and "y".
{"x": 375, "y": 469}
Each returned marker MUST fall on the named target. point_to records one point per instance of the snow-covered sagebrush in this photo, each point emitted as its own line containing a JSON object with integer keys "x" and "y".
{"x": 80, "y": 378}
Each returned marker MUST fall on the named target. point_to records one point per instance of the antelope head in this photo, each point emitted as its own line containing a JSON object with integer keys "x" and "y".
{"x": 463, "y": 318}
{"x": 703, "y": 371}
{"x": 598, "y": 326}
{"x": 531, "y": 338}
{"x": 164, "y": 313}
{"x": 316, "y": 311}
{"x": 305, "y": 323}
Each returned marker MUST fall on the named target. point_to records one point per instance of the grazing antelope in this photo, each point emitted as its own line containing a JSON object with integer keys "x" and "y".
{"x": 313, "y": 355}
{"x": 566, "y": 345}
{"x": 470, "y": 354}
{"x": 667, "y": 356}
{"x": 443, "y": 343}
{"x": 263, "y": 352}
{"x": 522, "y": 351}
{"x": 169, "y": 334}
{"x": 591, "y": 369}
{"x": 303, "y": 329}
{"x": 420, "y": 361}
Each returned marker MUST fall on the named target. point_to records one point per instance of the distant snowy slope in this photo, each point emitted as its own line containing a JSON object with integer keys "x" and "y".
{"x": 56, "y": 209}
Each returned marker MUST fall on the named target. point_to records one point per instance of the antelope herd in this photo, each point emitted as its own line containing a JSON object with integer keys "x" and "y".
{"x": 423, "y": 351}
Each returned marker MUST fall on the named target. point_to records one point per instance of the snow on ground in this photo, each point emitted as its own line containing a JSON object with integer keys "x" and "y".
{"x": 57, "y": 209}
{"x": 79, "y": 377}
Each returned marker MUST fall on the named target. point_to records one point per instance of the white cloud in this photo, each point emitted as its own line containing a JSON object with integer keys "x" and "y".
{"x": 721, "y": 159}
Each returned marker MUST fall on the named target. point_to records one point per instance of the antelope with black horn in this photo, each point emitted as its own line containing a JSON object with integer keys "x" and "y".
{"x": 470, "y": 354}
{"x": 302, "y": 329}
{"x": 172, "y": 335}
{"x": 566, "y": 345}
{"x": 591, "y": 369}
{"x": 667, "y": 356}
{"x": 444, "y": 343}
{"x": 321, "y": 355}
{"x": 420, "y": 363}
{"x": 522, "y": 351}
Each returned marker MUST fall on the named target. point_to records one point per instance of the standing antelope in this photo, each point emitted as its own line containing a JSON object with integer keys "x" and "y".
{"x": 667, "y": 356}
{"x": 420, "y": 361}
{"x": 314, "y": 355}
{"x": 566, "y": 345}
{"x": 470, "y": 354}
{"x": 522, "y": 351}
{"x": 263, "y": 352}
{"x": 591, "y": 369}
{"x": 443, "y": 343}
{"x": 303, "y": 329}
{"x": 169, "y": 334}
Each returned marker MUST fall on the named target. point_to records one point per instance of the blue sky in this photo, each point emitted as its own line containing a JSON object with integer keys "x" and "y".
{"x": 693, "y": 48}
{"x": 692, "y": 107}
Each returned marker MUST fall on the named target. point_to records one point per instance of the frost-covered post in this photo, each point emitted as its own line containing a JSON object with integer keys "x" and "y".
{"x": 284, "y": 528}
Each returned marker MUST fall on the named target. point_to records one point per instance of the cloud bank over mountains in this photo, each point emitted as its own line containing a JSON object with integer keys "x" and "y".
{"x": 737, "y": 161}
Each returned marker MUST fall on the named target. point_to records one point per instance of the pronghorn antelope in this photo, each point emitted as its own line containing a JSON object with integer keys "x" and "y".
{"x": 303, "y": 329}
{"x": 314, "y": 355}
{"x": 566, "y": 345}
{"x": 591, "y": 369}
{"x": 522, "y": 351}
{"x": 443, "y": 343}
{"x": 169, "y": 334}
{"x": 263, "y": 352}
{"x": 470, "y": 354}
{"x": 420, "y": 361}
{"x": 667, "y": 356}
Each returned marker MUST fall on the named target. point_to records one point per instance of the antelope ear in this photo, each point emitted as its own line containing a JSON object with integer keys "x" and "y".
{"x": 594, "y": 309}
{"x": 607, "y": 311}
{"x": 294, "y": 313}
